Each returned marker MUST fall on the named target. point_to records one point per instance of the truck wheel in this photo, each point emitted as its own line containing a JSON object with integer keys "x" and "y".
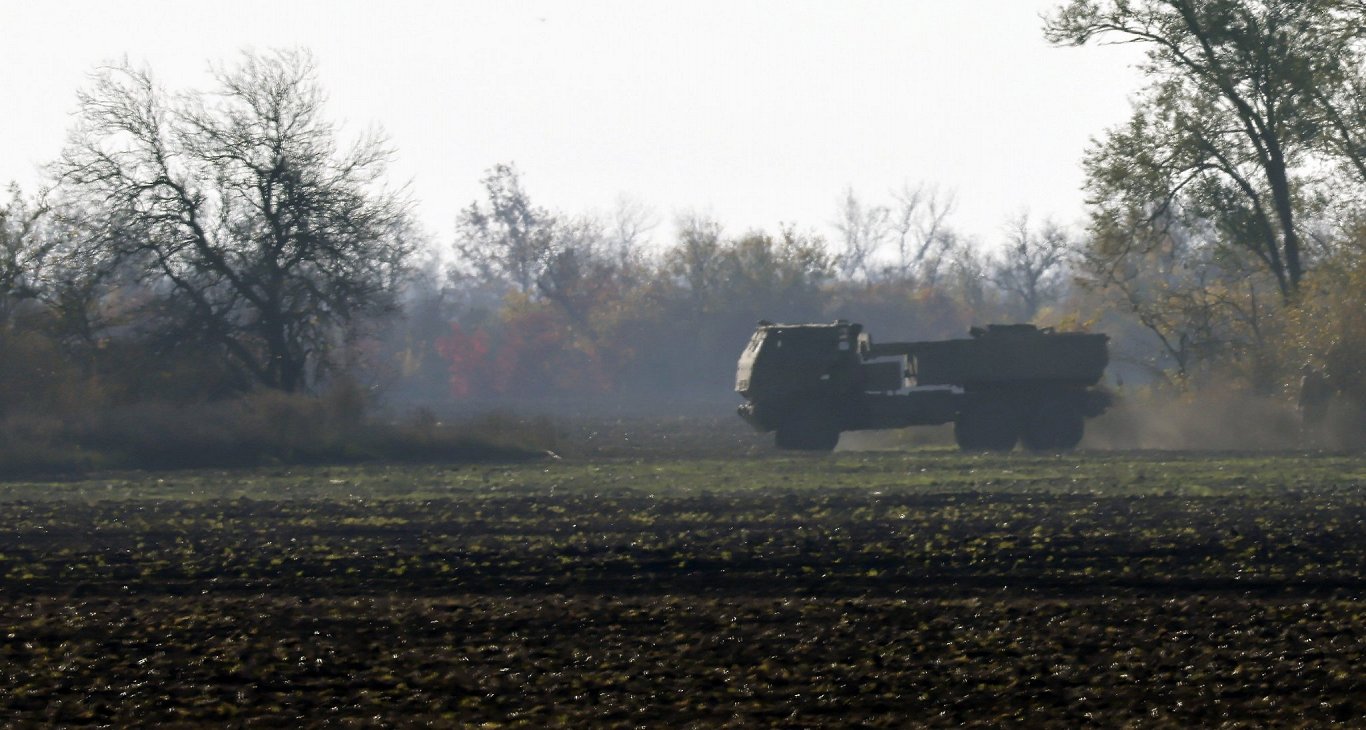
{"x": 807, "y": 432}
{"x": 1054, "y": 427}
{"x": 987, "y": 425}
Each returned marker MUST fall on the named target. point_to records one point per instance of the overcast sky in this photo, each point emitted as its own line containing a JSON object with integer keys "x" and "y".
{"x": 754, "y": 112}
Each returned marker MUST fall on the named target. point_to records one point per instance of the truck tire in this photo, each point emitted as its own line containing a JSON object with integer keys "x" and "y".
{"x": 1054, "y": 426}
{"x": 807, "y": 431}
{"x": 987, "y": 424}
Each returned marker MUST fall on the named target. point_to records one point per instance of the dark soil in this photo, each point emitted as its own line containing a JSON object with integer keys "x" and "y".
{"x": 754, "y": 602}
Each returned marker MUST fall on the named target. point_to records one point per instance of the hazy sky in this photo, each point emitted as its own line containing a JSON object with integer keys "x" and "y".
{"x": 754, "y": 112}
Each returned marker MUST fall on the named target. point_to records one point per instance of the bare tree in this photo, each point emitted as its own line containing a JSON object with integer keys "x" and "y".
{"x": 969, "y": 275}
{"x": 23, "y": 251}
{"x": 631, "y": 224}
{"x": 863, "y": 230}
{"x": 1032, "y": 265}
{"x": 917, "y": 222}
{"x": 52, "y": 268}
{"x": 259, "y": 234}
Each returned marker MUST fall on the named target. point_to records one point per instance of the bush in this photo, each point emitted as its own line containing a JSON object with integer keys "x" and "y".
{"x": 265, "y": 427}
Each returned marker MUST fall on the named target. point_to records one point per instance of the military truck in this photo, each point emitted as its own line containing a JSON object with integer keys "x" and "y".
{"x": 1002, "y": 385}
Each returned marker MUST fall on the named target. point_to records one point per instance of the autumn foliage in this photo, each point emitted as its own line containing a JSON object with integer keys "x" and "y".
{"x": 531, "y": 352}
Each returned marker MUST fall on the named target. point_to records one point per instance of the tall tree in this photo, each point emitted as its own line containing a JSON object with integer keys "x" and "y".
{"x": 580, "y": 270}
{"x": 917, "y": 223}
{"x": 1230, "y": 129}
{"x": 629, "y": 228}
{"x": 23, "y": 251}
{"x": 1032, "y": 265}
{"x": 507, "y": 237}
{"x": 1200, "y": 300}
{"x": 862, "y": 229}
{"x": 695, "y": 260}
{"x": 263, "y": 236}
{"x": 572, "y": 262}
{"x": 767, "y": 276}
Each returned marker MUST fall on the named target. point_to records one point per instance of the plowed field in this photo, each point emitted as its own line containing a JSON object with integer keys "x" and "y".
{"x": 884, "y": 590}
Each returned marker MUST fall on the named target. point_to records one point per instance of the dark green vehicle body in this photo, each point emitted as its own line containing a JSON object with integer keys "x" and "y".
{"x": 1003, "y": 384}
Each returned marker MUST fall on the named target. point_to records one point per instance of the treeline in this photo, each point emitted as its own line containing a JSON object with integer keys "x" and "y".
{"x": 541, "y": 304}
{"x": 228, "y": 246}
